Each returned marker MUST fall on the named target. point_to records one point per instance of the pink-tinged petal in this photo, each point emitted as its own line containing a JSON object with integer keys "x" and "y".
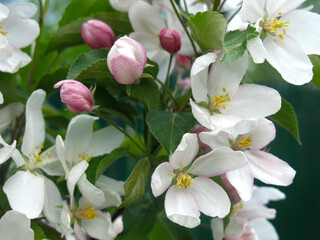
{"x": 65, "y": 218}
{"x": 199, "y": 76}
{"x": 265, "y": 194}
{"x": 18, "y": 60}
{"x": 264, "y": 229}
{"x": 251, "y": 211}
{"x": 257, "y": 51}
{"x": 6, "y": 151}
{"x": 217, "y": 162}
{"x": 104, "y": 141}
{"x": 289, "y": 59}
{"x": 89, "y": 191}
{"x": 252, "y": 10}
{"x": 202, "y": 115}
{"x": 20, "y": 32}
{"x": 9, "y": 113}
{"x": 22, "y": 10}
{"x": 185, "y": 152}
{"x": 25, "y": 193}
{"x": 149, "y": 42}
{"x": 270, "y": 169}
{"x": 235, "y": 228}
{"x": 254, "y": 101}
{"x": 227, "y": 76}
{"x": 150, "y": 21}
{"x": 15, "y": 225}
{"x": 263, "y": 134}
{"x": 118, "y": 225}
{"x": 215, "y": 140}
{"x": 4, "y": 11}
{"x": 34, "y": 133}
{"x": 217, "y": 228}
{"x": 80, "y": 235}
{"x": 304, "y": 27}
{"x": 210, "y": 196}
{"x": 242, "y": 180}
{"x": 181, "y": 207}
{"x": 52, "y": 201}
{"x": 276, "y": 8}
{"x": 161, "y": 178}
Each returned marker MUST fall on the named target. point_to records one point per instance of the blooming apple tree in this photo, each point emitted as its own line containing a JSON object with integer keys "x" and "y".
{"x": 158, "y": 89}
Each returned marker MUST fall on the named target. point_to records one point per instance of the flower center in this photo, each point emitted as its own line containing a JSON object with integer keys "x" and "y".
{"x": 237, "y": 208}
{"x": 37, "y": 154}
{"x": 2, "y": 32}
{"x": 242, "y": 143}
{"x": 87, "y": 213}
{"x": 219, "y": 101}
{"x": 184, "y": 180}
{"x": 274, "y": 26}
{"x": 84, "y": 156}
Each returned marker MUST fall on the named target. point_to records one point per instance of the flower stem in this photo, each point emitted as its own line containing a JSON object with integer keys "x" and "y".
{"x": 234, "y": 14}
{"x": 173, "y": 100}
{"x": 221, "y": 5}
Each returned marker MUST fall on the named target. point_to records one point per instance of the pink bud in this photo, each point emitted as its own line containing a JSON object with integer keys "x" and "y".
{"x": 183, "y": 61}
{"x": 75, "y": 95}
{"x": 97, "y": 34}
{"x": 184, "y": 85}
{"x": 126, "y": 60}
{"x": 170, "y": 40}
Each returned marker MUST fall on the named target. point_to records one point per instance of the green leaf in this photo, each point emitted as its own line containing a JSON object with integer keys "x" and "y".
{"x": 168, "y": 128}
{"x": 151, "y": 68}
{"x": 148, "y": 91}
{"x": 138, "y": 220}
{"x": 69, "y": 35}
{"x": 135, "y": 185}
{"x": 208, "y": 29}
{"x": 316, "y": 69}
{"x": 39, "y": 234}
{"x": 50, "y": 233}
{"x": 48, "y": 80}
{"x": 236, "y": 43}
{"x": 9, "y": 91}
{"x": 92, "y": 64}
{"x": 287, "y": 118}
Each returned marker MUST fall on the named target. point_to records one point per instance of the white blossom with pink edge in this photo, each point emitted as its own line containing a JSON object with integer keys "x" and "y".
{"x": 248, "y": 220}
{"x": 288, "y": 35}
{"x": 221, "y": 103}
{"x": 261, "y": 165}
{"x": 17, "y": 31}
{"x": 193, "y": 190}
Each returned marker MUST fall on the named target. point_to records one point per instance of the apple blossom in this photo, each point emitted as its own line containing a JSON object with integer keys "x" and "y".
{"x": 170, "y": 40}
{"x": 9, "y": 113}
{"x": 190, "y": 190}
{"x": 126, "y": 60}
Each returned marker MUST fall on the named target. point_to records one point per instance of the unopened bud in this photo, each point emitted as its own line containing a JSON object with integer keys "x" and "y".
{"x": 75, "y": 95}
{"x": 170, "y": 40}
{"x": 97, "y": 34}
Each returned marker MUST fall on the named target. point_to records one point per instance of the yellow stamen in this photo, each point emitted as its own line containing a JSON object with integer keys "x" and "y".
{"x": 84, "y": 156}
{"x": 184, "y": 180}
{"x": 2, "y": 32}
{"x": 274, "y": 26}
{"x": 219, "y": 101}
{"x": 37, "y": 154}
{"x": 87, "y": 213}
{"x": 244, "y": 142}
{"x": 237, "y": 208}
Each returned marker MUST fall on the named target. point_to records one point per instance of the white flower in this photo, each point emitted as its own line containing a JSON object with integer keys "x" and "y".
{"x": 192, "y": 190}
{"x": 80, "y": 146}
{"x": 14, "y": 225}
{"x": 288, "y": 36}
{"x": 17, "y": 31}
{"x": 261, "y": 165}
{"x": 221, "y": 104}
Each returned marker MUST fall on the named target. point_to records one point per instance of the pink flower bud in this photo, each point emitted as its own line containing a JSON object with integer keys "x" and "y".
{"x": 126, "y": 60}
{"x": 170, "y": 40}
{"x": 75, "y": 95}
{"x": 183, "y": 61}
{"x": 184, "y": 85}
{"x": 97, "y": 34}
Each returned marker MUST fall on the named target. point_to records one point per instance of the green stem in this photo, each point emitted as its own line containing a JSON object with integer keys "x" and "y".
{"x": 185, "y": 6}
{"x": 221, "y": 5}
{"x": 168, "y": 71}
{"x": 119, "y": 128}
{"x": 234, "y": 14}
{"x": 184, "y": 27}
{"x": 216, "y": 4}
{"x": 173, "y": 100}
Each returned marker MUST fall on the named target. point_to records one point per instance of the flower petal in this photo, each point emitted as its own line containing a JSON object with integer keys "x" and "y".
{"x": 52, "y": 201}
{"x": 9, "y": 113}
{"x": 269, "y": 169}
{"x": 264, "y": 229}
{"x": 217, "y": 162}
{"x": 216, "y": 225}
{"x": 185, "y": 152}
{"x": 257, "y": 51}
{"x": 235, "y": 228}
{"x": 25, "y": 193}
{"x": 6, "y": 50}
{"x": 289, "y": 59}
{"x": 22, "y": 10}
{"x": 60, "y": 149}
{"x": 254, "y": 211}
{"x": 202, "y": 115}
{"x": 89, "y": 191}
{"x": 275, "y": 7}
{"x": 263, "y": 134}
{"x": 6, "y": 151}
{"x": 121, "y": 5}
{"x": 14, "y": 225}
{"x": 215, "y": 140}
{"x": 265, "y": 194}
{"x": 18, "y": 60}
{"x": 161, "y": 178}
{"x": 210, "y": 196}
{"x": 34, "y": 133}
{"x": 110, "y": 183}
{"x": 181, "y": 207}
{"x": 252, "y": 10}
{"x": 4, "y": 11}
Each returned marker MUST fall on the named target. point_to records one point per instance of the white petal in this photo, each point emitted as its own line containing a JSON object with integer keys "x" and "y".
{"x": 161, "y": 178}
{"x": 181, "y": 207}
{"x": 235, "y": 227}
{"x": 202, "y": 115}
{"x": 52, "y": 201}
{"x": 1, "y": 98}
{"x": 79, "y": 135}
{"x": 104, "y": 141}
{"x": 216, "y": 225}
{"x": 22, "y": 10}
{"x": 110, "y": 183}
{"x": 17, "y": 158}
{"x": 270, "y": 169}
{"x": 60, "y": 149}
{"x": 252, "y": 10}
{"x": 210, "y": 196}
{"x": 9, "y": 113}
{"x": 6, "y": 151}
{"x": 242, "y": 126}
{"x": 251, "y": 211}
{"x": 150, "y": 42}
{"x": 80, "y": 235}
{"x": 25, "y": 193}
{"x": 6, "y": 50}
{"x": 263, "y": 134}
{"x": 289, "y": 59}
{"x": 217, "y": 162}
{"x": 264, "y": 229}
{"x": 304, "y": 27}
{"x": 4, "y": 11}
{"x": 150, "y": 21}
{"x": 242, "y": 180}
{"x": 193, "y": 7}
{"x": 185, "y": 152}
{"x": 257, "y": 51}
{"x": 14, "y": 225}
{"x": 35, "y": 127}
{"x": 18, "y": 60}
{"x": 254, "y": 101}
{"x": 65, "y": 219}
{"x": 162, "y": 58}
{"x": 118, "y": 224}
{"x": 215, "y": 140}
{"x": 89, "y": 191}
{"x": 199, "y": 76}
{"x": 265, "y": 194}
{"x": 274, "y": 7}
